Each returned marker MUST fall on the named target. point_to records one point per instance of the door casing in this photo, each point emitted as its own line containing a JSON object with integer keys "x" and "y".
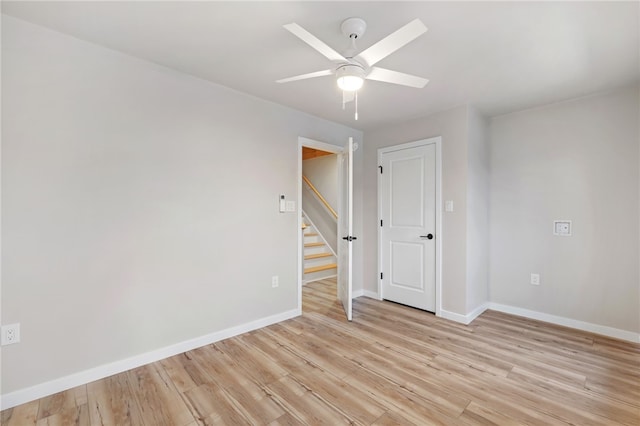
{"x": 438, "y": 213}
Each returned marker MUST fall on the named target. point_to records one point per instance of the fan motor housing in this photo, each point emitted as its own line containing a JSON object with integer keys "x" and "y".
{"x": 352, "y": 69}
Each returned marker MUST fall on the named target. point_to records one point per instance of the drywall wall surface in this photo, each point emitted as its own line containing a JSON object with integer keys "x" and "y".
{"x": 477, "y": 212}
{"x": 578, "y": 161}
{"x": 140, "y": 205}
{"x": 452, "y": 127}
{"x": 323, "y": 174}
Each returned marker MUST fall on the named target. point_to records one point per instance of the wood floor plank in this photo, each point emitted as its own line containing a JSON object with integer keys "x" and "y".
{"x": 303, "y": 404}
{"x": 159, "y": 401}
{"x": 184, "y": 372}
{"x": 22, "y": 415}
{"x": 391, "y": 365}
{"x": 111, "y": 402}
{"x": 256, "y": 404}
{"x": 313, "y": 351}
{"x": 391, "y": 418}
{"x": 255, "y": 363}
{"x": 287, "y": 419}
{"x": 477, "y": 414}
{"x": 352, "y": 402}
{"x": 78, "y": 415}
{"x": 399, "y": 398}
{"x": 56, "y": 403}
{"x": 607, "y": 408}
{"x": 213, "y": 405}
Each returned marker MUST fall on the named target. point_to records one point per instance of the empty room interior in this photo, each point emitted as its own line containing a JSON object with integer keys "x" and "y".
{"x": 433, "y": 216}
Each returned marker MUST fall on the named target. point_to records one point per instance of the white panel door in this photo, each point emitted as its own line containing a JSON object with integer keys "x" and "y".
{"x": 408, "y": 209}
{"x": 345, "y": 230}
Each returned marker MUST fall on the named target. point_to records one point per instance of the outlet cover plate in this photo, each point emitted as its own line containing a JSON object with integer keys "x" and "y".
{"x": 10, "y": 334}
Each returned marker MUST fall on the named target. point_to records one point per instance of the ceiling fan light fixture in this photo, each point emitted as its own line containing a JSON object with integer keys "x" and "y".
{"x": 353, "y": 69}
{"x": 350, "y": 78}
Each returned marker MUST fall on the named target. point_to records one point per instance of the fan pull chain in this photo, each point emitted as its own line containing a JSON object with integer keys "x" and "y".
{"x": 356, "y": 105}
{"x": 344, "y": 99}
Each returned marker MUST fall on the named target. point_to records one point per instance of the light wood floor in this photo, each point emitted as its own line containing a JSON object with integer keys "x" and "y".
{"x": 391, "y": 365}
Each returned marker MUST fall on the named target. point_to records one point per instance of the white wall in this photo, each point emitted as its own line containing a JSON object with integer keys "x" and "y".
{"x": 575, "y": 160}
{"x": 323, "y": 174}
{"x": 452, "y": 125}
{"x": 477, "y": 212}
{"x": 140, "y": 205}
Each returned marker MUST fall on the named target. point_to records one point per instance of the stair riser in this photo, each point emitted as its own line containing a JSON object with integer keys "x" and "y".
{"x": 314, "y": 250}
{"x": 320, "y": 261}
{"x": 314, "y": 239}
{"x": 311, "y": 263}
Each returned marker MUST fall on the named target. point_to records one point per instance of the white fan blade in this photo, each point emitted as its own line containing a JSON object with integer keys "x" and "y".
{"x": 306, "y": 76}
{"x": 314, "y": 42}
{"x": 395, "y": 77}
{"x": 392, "y": 42}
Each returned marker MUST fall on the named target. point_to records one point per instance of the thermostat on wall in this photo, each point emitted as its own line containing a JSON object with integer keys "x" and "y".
{"x": 562, "y": 228}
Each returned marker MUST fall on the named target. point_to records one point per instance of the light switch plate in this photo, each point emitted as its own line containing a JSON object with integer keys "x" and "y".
{"x": 291, "y": 206}
{"x": 535, "y": 279}
{"x": 562, "y": 228}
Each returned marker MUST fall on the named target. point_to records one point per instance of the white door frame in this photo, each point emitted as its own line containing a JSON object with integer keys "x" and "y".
{"x": 438, "y": 143}
{"x": 323, "y": 146}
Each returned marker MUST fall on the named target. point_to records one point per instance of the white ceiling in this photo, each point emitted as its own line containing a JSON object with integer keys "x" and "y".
{"x": 498, "y": 56}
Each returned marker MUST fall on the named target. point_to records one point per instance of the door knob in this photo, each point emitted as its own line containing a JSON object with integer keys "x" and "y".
{"x": 428, "y": 236}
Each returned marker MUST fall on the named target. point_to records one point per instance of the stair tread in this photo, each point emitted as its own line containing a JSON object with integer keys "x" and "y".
{"x": 320, "y": 268}
{"x": 311, "y": 234}
{"x": 317, "y": 255}
{"x": 314, "y": 244}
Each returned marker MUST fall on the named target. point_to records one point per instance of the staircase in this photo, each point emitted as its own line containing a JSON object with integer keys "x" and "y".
{"x": 319, "y": 261}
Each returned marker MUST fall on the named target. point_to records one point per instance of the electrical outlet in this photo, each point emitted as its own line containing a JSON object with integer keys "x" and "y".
{"x": 274, "y": 281}
{"x": 10, "y": 334}
{"x": 535, "y": 279}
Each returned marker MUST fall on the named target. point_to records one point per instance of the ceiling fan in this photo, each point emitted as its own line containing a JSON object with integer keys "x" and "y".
{"x": 351, "y": 69}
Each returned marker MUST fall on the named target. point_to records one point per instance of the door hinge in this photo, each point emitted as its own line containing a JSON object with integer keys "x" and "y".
{"x": 380, "y": 222}
{"x": 380, "y": 167}
{"x": 381, "y": 275}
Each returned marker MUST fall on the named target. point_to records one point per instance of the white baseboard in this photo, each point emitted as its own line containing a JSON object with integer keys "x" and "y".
{"x": 568, "y": 322}
{"x": 371, "y": 294}
{"x": 464, "y": 319}
{"x": 366, "y": 293}
{"x": 541, "y": 316}
{"x": 63, "y": 383}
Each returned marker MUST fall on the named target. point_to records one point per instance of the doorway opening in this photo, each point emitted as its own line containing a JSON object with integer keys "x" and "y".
{"x": 319, "y": 204}
{"x": 322, "y": 208}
